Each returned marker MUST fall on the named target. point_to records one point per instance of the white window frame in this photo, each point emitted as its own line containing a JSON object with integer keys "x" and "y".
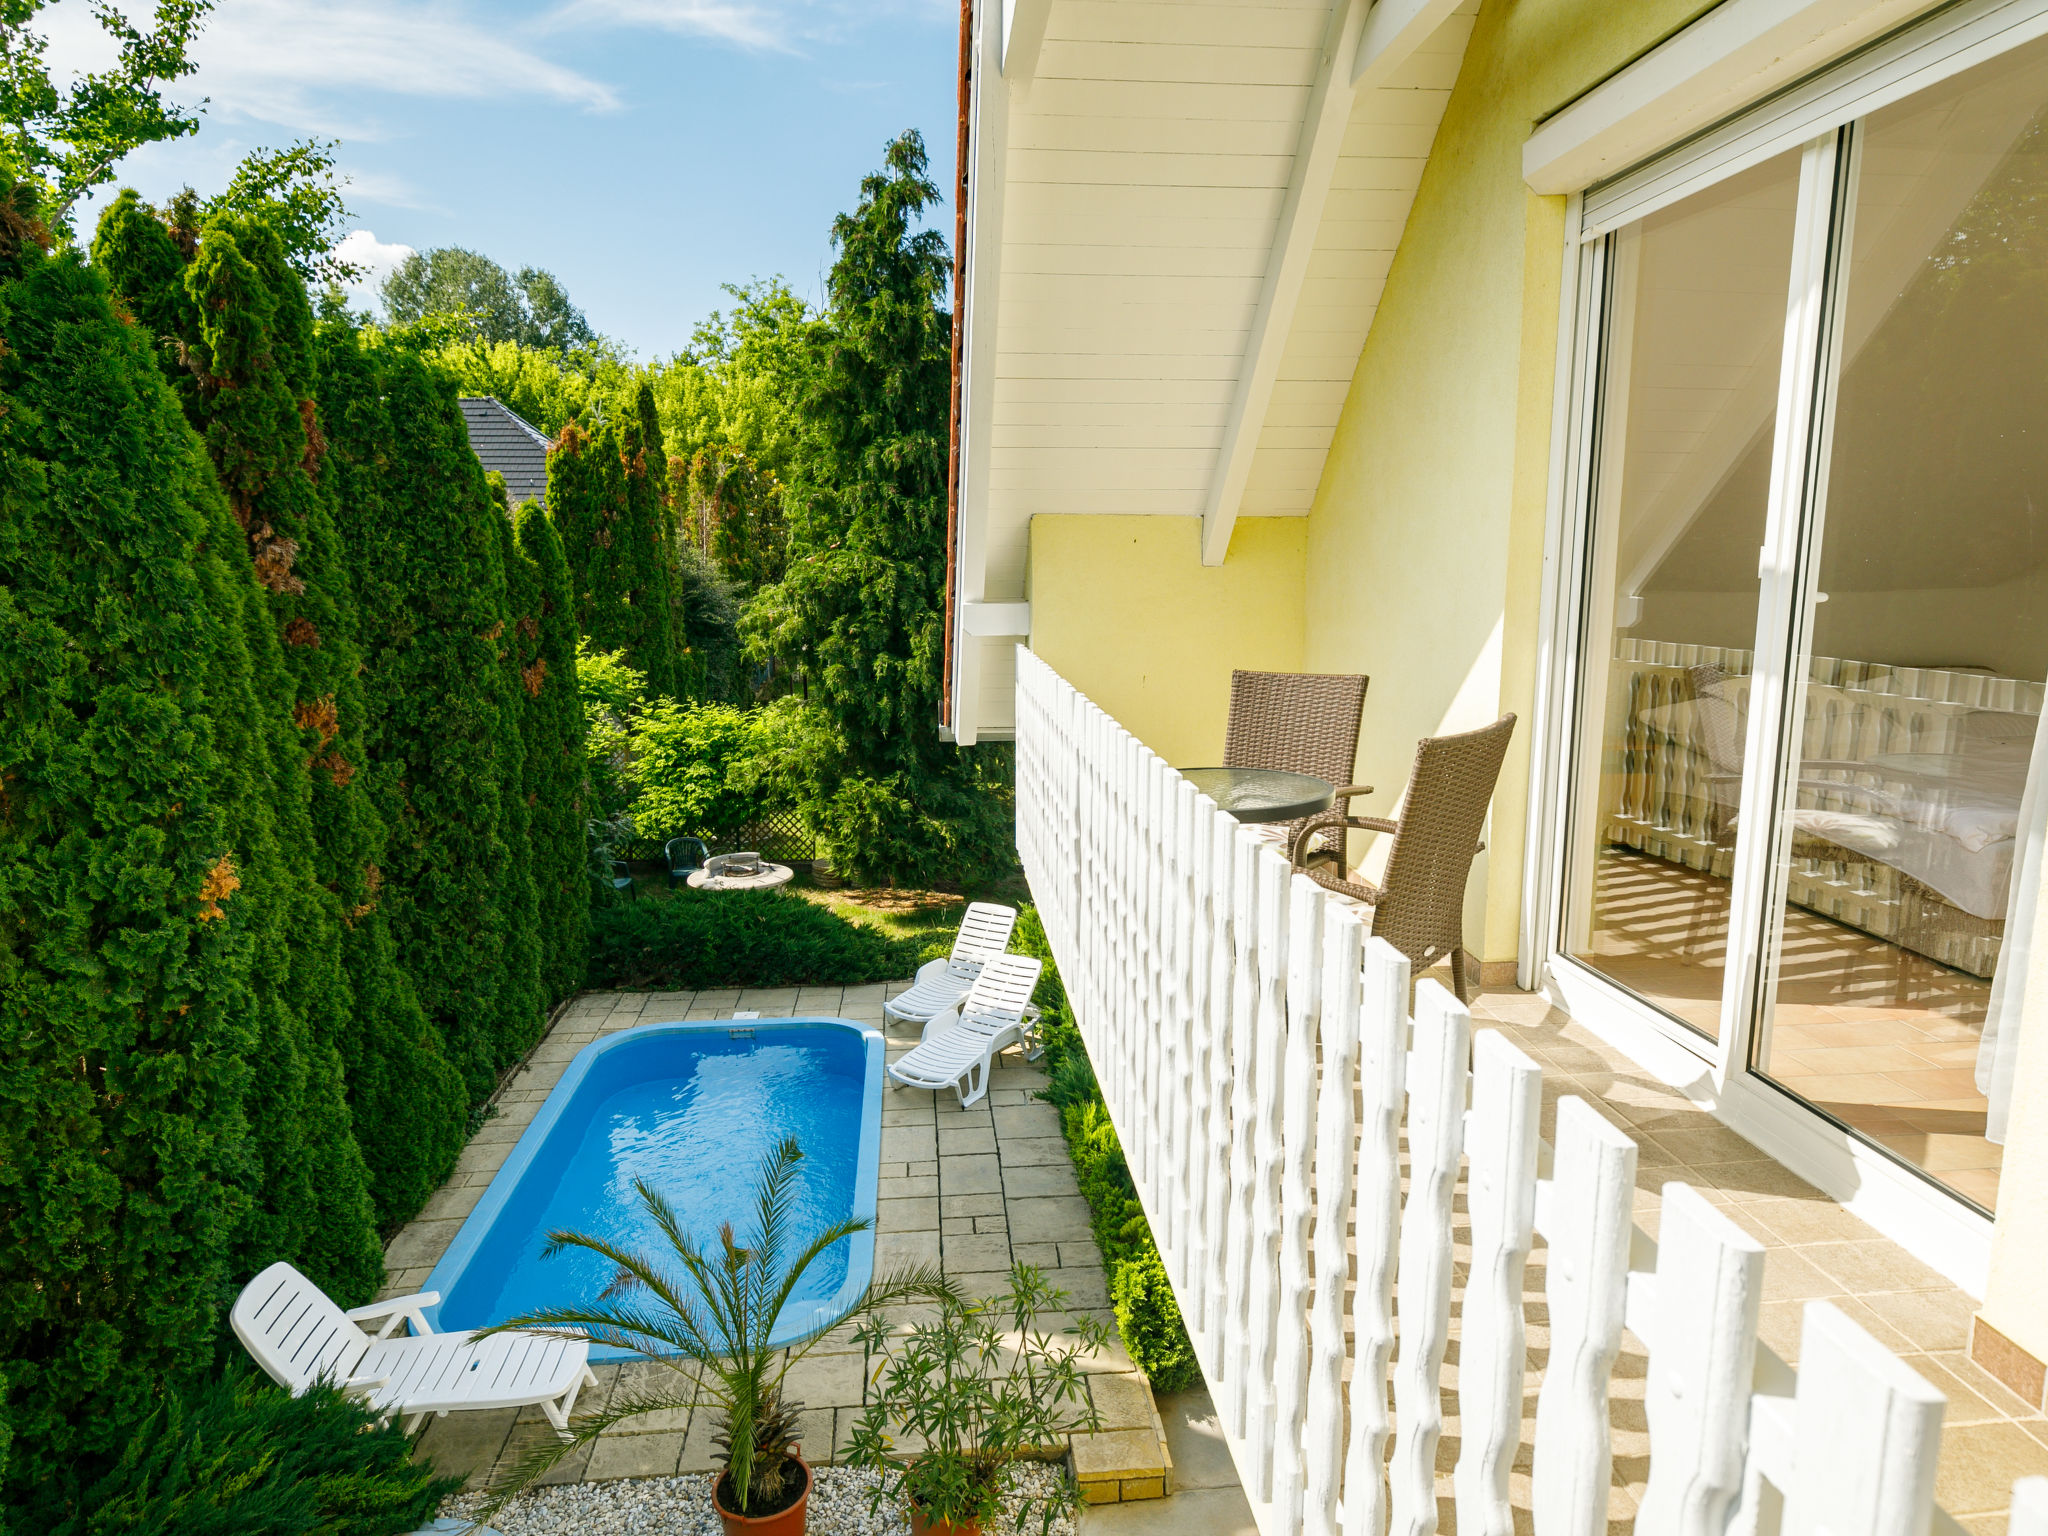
{"x": 1817, "y": 117}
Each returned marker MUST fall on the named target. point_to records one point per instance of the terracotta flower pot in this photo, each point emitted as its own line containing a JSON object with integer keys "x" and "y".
{"x": 784, "y": 1522}
{"x": 920, "y": 1526}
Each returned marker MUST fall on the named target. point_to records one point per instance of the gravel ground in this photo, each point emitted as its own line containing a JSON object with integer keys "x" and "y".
{"x": 681, "y": 1506}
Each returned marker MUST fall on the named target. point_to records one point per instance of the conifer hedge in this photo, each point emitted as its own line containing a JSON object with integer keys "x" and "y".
{"x": 447, "y": 764}
{"x": 242, "y": 358}
{"x": 148, "y": 876}
{"x": 554, "y": 753}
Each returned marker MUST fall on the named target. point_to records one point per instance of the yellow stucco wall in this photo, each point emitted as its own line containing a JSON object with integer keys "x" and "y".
{"x": 1125, "y": 610}
{"x": 1425, "y": 546}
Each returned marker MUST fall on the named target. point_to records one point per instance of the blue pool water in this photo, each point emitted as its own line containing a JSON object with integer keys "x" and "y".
{"x": 693, "y": 1109}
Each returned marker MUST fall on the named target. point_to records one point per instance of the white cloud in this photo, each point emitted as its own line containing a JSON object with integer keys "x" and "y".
{"x": 276, "y": 59}
{"x": 748, "y": 24}
{"x": 376, "y": 257}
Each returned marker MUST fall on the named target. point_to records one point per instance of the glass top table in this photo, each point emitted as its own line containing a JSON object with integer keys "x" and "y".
{"x": 1263, "y": 794}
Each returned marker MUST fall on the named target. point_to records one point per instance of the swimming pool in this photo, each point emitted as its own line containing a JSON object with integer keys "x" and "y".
{"x": 693, "y": 1109}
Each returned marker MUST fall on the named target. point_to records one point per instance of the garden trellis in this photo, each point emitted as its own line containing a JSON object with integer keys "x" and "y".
{"x": 1239, "y": 1017}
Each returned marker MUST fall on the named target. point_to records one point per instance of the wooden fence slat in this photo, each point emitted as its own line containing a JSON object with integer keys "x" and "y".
{"x": 1440, "y": 1069}
{"x": 1586, "y": 1286}
{"x": 1702, "y": 1348}
{"x": 1336, "y": 1141}
{"x": 1383, "y": 1077}
{"x": 1500, "y": 1198}
{"x": 1193, "y": 1283}
{"x": 1216, "y": 1205}
{"x": 1244, "y": 1013}
{"x": 1269, "y": 1041}
{"x": 1868, "y": 1432}
{"x": 1178, "y": 1089}
{"x": 1298, "y": 1135}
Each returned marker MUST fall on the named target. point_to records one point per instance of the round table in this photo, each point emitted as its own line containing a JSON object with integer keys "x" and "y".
{"x": 771, "y": 875}
{"x": 1263, "y": 794}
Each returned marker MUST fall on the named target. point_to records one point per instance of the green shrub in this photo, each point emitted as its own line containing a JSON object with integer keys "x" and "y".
{"x": 1147, "y": 1315}
{"x": 241, "y": 1457}
{"x": 694, "y": 940}
{"x": 698, "y": 768}
{"x": 613, "y": 692}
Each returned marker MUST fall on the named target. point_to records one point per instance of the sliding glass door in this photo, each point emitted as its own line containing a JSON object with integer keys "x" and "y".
{"x": 1808, "y": 773}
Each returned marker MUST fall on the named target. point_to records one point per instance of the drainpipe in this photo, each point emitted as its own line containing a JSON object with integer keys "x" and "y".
{"x": 946, "y": 722}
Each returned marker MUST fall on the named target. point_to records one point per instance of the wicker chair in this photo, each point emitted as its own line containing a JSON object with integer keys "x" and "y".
{"x": 1298, "y": 722}
{"x": 1420, "y": 908}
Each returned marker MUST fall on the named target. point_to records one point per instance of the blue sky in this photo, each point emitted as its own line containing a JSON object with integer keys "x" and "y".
{"x": 645, "y": 151}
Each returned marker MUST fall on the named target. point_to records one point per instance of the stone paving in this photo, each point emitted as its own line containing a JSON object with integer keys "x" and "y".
{"x": 972, "y": 1190}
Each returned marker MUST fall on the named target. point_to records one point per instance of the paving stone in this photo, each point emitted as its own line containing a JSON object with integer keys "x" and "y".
{"x": 965, "y": 1140}
{"x": 828, "y": 1381}
{"x": 964, "y": 1255}
{"x": 1027, "y": 1119}
{"x": 1044, "y": 1256}
{"x": 1124, "y": 1402}
{"x": 957, "y": 1226}
{"x": 422, "y": 1242}
{"x": 698, "y": 1453}
{"x": 988, "y": 1204}
{"x": 1035, "y": 1151}
{"x": 1047, "y": 1219}
{"x": 977, "y": 1174}
{"x": 898, "y": 1250}
{"x": 924, "y": 1169}
{"x": 907, "y": 1214}
{"x": 817, "y": 1436}
{"x": 990, "y": 1224}
{"x": 634, "y": 1456}
{"x": 465, "y": 1445}
{"x": 1040, "y": 1179}
{"x": 1117, "y": 1454}
{"x": 903, "y": 1187}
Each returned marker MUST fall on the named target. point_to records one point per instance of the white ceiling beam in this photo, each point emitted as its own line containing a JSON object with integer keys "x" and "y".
{"x": 1394, "y": 30}
{"x": 1308, "y": 189}
{"x": 1023, "y": 36}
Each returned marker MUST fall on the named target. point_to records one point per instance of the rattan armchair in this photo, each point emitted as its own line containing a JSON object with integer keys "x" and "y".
{"x": 1419, "y": 907}
{"x": 1298, "y": 722}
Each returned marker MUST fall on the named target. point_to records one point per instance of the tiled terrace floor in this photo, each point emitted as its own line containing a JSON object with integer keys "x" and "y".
{"x": 973, "y": 1190}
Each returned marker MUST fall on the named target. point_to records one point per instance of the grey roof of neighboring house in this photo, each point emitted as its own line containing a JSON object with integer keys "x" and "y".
{"x": 511, "y": 445}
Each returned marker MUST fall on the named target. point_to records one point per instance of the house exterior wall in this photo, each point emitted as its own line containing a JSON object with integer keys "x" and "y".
{"x": 1124, "y": 608}
{"x": 1425, "y": 544}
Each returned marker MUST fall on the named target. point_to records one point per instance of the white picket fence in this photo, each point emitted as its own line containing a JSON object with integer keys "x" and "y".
{"x": 1237, "y": 1019}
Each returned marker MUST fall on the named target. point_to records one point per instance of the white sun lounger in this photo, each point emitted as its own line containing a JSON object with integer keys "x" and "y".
{"x": 984, "y": 934}
{"x": 961, "y": 1044}
{"x": 299, "y": 1337}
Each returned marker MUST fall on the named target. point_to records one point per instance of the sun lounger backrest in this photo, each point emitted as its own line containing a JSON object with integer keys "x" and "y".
{"x": 984, "y": 934}
{"x": 291, "y": 1328}
{"x": 1003, "y": 988}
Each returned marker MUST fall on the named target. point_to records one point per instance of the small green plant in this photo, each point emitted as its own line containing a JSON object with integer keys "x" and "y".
{"x": 1147, "y": 1316}
{"x": 708, "y": 1315}
{"x": 980, "y": 1387}
{"x": 240, "y": 1455}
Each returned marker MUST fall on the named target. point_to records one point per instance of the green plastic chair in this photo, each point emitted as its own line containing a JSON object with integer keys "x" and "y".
{"x": 685, "y": 855}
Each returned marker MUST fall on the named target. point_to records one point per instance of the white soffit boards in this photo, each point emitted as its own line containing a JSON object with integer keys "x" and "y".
{"x": 1151, "y": 152}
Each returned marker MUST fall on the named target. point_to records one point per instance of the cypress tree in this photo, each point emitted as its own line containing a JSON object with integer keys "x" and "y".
{"x": 546, "y": 627}
{"x": 444, "y": 747}
{"x": 608, "y": 496}
{"x": 143, "y": 886}
{"x": 860, "y": 608}
{"x": 243, "y": 359}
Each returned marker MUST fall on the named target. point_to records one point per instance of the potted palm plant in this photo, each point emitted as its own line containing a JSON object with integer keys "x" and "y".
{"x": 979, "y": 1388}
{"x": 708, "y": 1315}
